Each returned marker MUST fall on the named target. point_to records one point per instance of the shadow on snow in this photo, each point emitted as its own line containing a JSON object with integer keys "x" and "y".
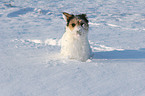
{"x": 23, "y": 11}
{"x": 125, "y": 54}
{"x": 20, "y": 12}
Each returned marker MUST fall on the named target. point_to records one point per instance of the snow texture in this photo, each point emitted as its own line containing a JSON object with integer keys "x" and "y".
{"x": 30, "y": 60}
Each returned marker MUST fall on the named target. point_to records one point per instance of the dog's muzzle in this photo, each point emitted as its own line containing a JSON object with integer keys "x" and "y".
{"x": 79, "y": 32}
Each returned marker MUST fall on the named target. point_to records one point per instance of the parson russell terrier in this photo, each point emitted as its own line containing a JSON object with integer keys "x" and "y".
{"x": 74, "y": 42}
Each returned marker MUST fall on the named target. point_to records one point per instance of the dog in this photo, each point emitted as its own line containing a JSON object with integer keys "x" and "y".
{"x": 74, "y": 42}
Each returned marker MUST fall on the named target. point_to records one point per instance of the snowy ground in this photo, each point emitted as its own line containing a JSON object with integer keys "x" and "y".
{"x": 30, "y": 63}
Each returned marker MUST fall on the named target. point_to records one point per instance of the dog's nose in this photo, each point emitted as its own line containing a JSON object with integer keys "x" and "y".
{"x": 79, "y": 32}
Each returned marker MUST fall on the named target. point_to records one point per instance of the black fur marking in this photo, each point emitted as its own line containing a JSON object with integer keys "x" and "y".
{"x": 83, "y": 16}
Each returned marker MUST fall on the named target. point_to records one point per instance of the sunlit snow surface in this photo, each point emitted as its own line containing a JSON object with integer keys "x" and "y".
{"x": 30, "y": 63}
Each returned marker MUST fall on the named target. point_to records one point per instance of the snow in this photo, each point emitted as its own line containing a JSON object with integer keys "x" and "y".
{"x": 30, "y": 63}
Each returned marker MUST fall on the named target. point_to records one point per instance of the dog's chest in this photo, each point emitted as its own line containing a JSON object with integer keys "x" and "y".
{"x": 74, "y": 42}
{"x": 73, "y": 47}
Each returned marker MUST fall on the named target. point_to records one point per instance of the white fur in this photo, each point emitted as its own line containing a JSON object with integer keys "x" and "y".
{"x": 74, "y": 45}
{"x": 64, "y": 17}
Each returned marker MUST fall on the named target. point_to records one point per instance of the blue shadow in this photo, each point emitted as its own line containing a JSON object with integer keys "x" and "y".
{"x": 20, "y": 12}
{"x": 125, "y": 54}
{"x": 26, "y": 10}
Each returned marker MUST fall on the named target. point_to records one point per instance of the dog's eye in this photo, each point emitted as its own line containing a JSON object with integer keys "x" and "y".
{"x": 73, "y": 24}
{"x": 82, "y": 24}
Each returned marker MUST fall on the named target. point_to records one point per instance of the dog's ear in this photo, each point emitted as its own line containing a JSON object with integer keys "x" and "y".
{"x": 66, "y": 16}
{"x": 84, "y": 17}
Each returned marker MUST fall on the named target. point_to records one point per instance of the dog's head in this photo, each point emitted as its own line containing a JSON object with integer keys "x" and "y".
{"x": 77, "y": 24}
